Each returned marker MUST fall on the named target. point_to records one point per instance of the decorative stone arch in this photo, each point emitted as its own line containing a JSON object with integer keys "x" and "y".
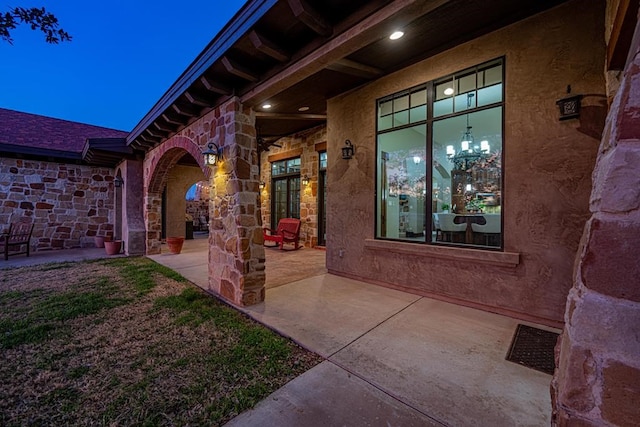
{"x": 158, "y": 163}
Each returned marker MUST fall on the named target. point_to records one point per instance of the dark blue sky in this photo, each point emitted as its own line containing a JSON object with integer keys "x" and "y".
{"x": 123, "y": 57}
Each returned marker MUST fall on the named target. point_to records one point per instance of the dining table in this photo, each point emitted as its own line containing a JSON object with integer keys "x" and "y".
{"x": 469, "y": 218}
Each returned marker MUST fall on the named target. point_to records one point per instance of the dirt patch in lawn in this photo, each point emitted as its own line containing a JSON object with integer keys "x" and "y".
{"x": 129, "y": 342}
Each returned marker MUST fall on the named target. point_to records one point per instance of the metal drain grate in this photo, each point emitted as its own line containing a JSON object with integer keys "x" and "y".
{"x": 533, "y": 348}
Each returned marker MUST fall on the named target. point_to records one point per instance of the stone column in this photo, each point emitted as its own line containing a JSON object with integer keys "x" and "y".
{"x": 597, "y": 380}
{"x": 133, "y": 228}
{"x": 236, "y": 254}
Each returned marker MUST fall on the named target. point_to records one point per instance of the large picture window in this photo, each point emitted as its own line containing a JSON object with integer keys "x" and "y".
{"x": 439, "y": 160}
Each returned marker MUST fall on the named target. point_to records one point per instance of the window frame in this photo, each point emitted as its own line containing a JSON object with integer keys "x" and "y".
{"x": 429, "y": 143}
{"x": 287, "y": 176}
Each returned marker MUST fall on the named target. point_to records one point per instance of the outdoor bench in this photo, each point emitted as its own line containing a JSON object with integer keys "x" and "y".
{"x": 18, "y": 235}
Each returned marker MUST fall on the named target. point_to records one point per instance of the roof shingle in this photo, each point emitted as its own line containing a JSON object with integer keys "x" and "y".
{"x": 47, "y": 133}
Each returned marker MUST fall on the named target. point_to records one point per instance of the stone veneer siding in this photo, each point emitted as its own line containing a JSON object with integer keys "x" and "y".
{"x": 68, "y": 204}
{"x": 309, "y": 165}
{"x": 236, "y": 254}
{"x": 597, "y": 380}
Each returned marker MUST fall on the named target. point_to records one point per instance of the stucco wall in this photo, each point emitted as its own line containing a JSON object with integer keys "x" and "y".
{"x": 181, "y": 178}
{"x": 547, "y": 169}
{"x": 68, "y": 204}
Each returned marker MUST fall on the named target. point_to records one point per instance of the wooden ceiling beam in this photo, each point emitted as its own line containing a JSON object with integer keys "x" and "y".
{"x": 347, "y": 66}
{"x": 341, "y": 46}
{"x": 162, "y": 128}
{"x": 194, "y": 99}
{"x": 310, "y": 17}
{"x": 215, "y": 87}
{"x": 267, "y": 47}
{"x": 154, "y": 134}
{"x": 621, "y": 37}
{"x": 149, "y": 141}
{"x": 284, "y": 116}
{"x": 184, "y": 111}
{"x": 172, "y": 120}
{"x": 238, "y": 70}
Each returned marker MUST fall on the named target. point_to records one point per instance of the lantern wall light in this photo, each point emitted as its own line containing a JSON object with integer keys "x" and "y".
{"x": 305, "y": 180}
{"x": 347, "y": 150}
{"x": 118, "y": 181}
{"x": 262, "y": 185}
{"x": 212, "y": 154}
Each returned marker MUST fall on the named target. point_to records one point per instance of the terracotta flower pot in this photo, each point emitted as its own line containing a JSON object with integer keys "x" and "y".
{"x": 113, "y": 247}
{"x": 175, "y": 244}
{"x": 99, "y": 241}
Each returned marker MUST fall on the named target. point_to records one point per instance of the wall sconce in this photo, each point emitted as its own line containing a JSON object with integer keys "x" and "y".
{"x": 118, "y": 181}
{"x": 262, "y": 185}
{"x": 211, "y": 154}
{"x": 347, "y": 150}
{"x": 305, "y": 180}
{"x": 569, "y": 106}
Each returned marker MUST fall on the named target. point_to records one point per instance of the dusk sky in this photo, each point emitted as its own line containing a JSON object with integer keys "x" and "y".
{"x": 123, "y": 57}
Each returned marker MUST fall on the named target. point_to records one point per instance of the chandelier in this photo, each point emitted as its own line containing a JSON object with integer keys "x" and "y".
{"x": 470, "y": 152}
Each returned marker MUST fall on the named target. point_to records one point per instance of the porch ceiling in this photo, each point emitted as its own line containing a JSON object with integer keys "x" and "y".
{"x": 299, "y": 53}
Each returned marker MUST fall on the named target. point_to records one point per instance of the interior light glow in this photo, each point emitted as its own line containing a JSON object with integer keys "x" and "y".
{"x": 450, "y": 150}
{"x": 484, "y": 145}
{"x": 396, "y": 35}
{"x": 465, "y": 145}
{"x": 448, "y": 91}
{"x": 266, "y": 106}
{"x": 305, "y": 108}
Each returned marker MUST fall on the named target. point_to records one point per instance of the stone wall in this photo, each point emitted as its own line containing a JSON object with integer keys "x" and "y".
{"x": 597, "y": 380}
{"x": 236, "y": 254}
{"x": 307, "y": 142}
{"x": 68, "y": 204}
{"x": 547, "y": 171}
{"x": 157, "y": 167}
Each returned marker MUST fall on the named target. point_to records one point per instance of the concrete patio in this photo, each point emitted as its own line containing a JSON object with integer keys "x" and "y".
{"x": 392, "y": 358}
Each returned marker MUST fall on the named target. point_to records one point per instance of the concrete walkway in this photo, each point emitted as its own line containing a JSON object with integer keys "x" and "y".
{"x": 392, "y": 358}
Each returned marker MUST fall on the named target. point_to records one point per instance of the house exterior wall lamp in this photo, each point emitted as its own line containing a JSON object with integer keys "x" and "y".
{"x": 305, "y": 180}
{"x": 569, "y": 107}
{"x": 212, "y": 154}
{"x": 347, "y": 150}
{"x": 118, "y": 181}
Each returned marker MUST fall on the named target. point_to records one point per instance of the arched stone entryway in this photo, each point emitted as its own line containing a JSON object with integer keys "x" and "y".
{"x": 236, "y": 254}
{"x": 157, "y": 171}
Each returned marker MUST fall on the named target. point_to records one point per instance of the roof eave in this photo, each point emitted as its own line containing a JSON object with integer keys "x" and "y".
{"x": 237, "y": 27}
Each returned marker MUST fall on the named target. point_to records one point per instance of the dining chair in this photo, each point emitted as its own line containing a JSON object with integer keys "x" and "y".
{"x": 491, "y": 230}
{"x": 450, "y": 229}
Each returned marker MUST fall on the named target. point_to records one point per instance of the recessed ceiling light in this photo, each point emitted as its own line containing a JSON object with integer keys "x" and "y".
{"x": 448, "y": 91}
{"x": 305, "y": 108}
{"x": 266, "y": 106}
{"x": 396, "y": 35}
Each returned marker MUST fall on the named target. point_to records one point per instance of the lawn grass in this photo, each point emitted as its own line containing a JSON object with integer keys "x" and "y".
{"x": 129, "y": 342}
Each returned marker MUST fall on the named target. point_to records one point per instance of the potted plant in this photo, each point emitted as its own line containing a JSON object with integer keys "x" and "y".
{"x": 113, "y": 247}
{"x": 99, "y": 241}
{"x": 175, "y": 244}
{"x": 445, "y": 208}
